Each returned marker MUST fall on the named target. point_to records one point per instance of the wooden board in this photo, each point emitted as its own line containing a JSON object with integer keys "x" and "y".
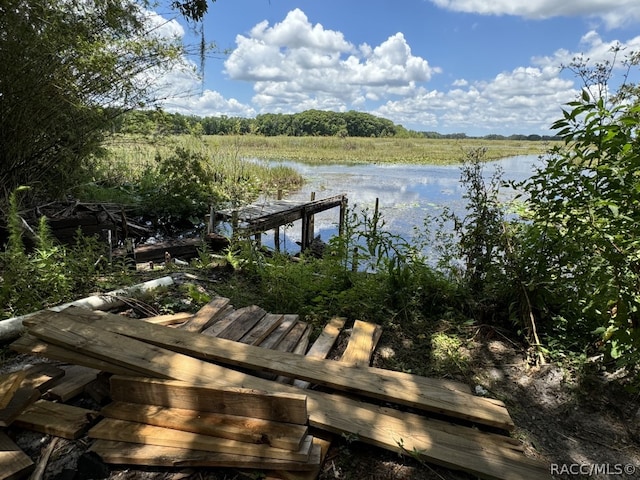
{"x": 323, "y": 344}
{"x": 207, "y": 315}
{"x": 245, "y": 319}
{"x": 287, "y": 436}
{"x": 9, "y": 384}
{"x": 291, "y": 340}
{"x": 322, "y": 442}
{"x": 20, "y": 400}
{"x": 415, "y": 391}
{"x": 124, "y": 431}
{"x": 298, "y": 344}
{"x": 288, "y": 322}
{"x": 170, "y": 319}
{"x": 410, "y": 433}
{"x": 263, "y": 329}
{"x": 35, "y": 346}
{"x": 221, "y": 323}
{"x": 157, "y": 456}
{"x": 28, "y": 389}
{"x": 228, "y": 400}
{"x": 74, "y": 382}
{"x": 58, "y": 419}
{"x": 362, "y": 342}
{"x": 14, "y": 463}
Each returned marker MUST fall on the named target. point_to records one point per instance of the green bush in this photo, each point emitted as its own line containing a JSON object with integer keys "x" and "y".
{"x": 585, "y": 223}
{"x": 47, "y": 275}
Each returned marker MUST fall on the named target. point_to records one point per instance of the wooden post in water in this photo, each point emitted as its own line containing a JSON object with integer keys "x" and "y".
{"x": 376, "y": 214}
{"x": 307, "y": 227}
{"x": 276, "y": 232}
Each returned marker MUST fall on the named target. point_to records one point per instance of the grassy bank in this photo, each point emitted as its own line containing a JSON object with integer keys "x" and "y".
{"x": 371, "y": 150}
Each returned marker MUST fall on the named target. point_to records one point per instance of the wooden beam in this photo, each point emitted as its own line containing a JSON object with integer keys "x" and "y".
{"x": 244, "y": 402}
{"x": 124, "y": 431}
{"x": 287, "y": 436}
{"x": 152, "y": 455}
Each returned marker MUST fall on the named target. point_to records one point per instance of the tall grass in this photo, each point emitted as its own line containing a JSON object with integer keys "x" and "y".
{"x": 372, "y": 150}
{"x": 130, "y": 162}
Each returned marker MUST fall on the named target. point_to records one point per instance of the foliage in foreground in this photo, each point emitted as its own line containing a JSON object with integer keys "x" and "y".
{"x": 583, "y": 206}
{"x": 47, "y": 274}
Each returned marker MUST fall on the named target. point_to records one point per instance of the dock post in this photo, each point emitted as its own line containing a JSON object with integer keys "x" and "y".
{"x": 276, "y": 232}
{"x": 343, "y": 215}
{"x": 307, "y": 227}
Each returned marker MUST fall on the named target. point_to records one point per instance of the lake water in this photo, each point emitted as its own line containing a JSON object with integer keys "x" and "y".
{"x": 407, "y": 193}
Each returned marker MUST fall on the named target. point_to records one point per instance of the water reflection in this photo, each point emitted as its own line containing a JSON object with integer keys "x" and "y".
{"x": 407, "y": 193}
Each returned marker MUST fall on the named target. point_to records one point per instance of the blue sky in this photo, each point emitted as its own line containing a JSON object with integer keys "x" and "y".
{"x": 472, "y": 66}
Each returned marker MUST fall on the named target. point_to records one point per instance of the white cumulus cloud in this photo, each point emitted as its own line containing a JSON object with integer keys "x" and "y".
{"x": 614, "y": 13}
{"x": 295, "y": 64}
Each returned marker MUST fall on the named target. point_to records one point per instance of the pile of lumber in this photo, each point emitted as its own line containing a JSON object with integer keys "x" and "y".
{"x": 227, "y": 387}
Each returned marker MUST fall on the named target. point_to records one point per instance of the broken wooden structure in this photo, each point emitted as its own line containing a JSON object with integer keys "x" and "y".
{"x": 258, "y": 218}
{"x": 227, "y": 387}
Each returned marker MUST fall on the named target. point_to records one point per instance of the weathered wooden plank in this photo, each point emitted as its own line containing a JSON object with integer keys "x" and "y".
{"x": 246, "y": 319}
{"x": 21, "y": 399}
{"x": 35, "y": 346}
{"x": 222, "y": 322}
{"x": 27, "y": 392}
{"x": 323, "y": 344}
{"x": 299, "y": 347}
{"x": 170, "y": 319}
{"x": 14, "y": 463}
{"x": 287, "y": 436}
{"x": 9, "y": 384}
{"x": 156, "y": 456}
{"x": 75, "y": 380}
{"x": 262, "y": 330}
{"x": 397, "y": 387}
{"x": 207, "y": 315}
{"x": 42, "y": 376}
{"x": 334, "y": 413}
{"x": 293, "y": 337}
{"x": 58, "y": 419}
{"x": 228, "y": 400}
{"x": 362, "y": 342}
{"x": 124, "y": 431}
{"x": 288, "y": 322}
{"x": 322, "y": 443}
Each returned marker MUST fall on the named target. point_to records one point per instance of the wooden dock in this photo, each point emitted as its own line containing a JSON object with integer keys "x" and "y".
{"x": 258, "y": 218}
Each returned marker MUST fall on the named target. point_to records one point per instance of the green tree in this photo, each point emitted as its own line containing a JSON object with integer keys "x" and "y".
{"x": 67, "y": 68}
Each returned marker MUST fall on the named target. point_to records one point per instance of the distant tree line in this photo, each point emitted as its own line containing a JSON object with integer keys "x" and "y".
{"x": 308, "y": 123}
